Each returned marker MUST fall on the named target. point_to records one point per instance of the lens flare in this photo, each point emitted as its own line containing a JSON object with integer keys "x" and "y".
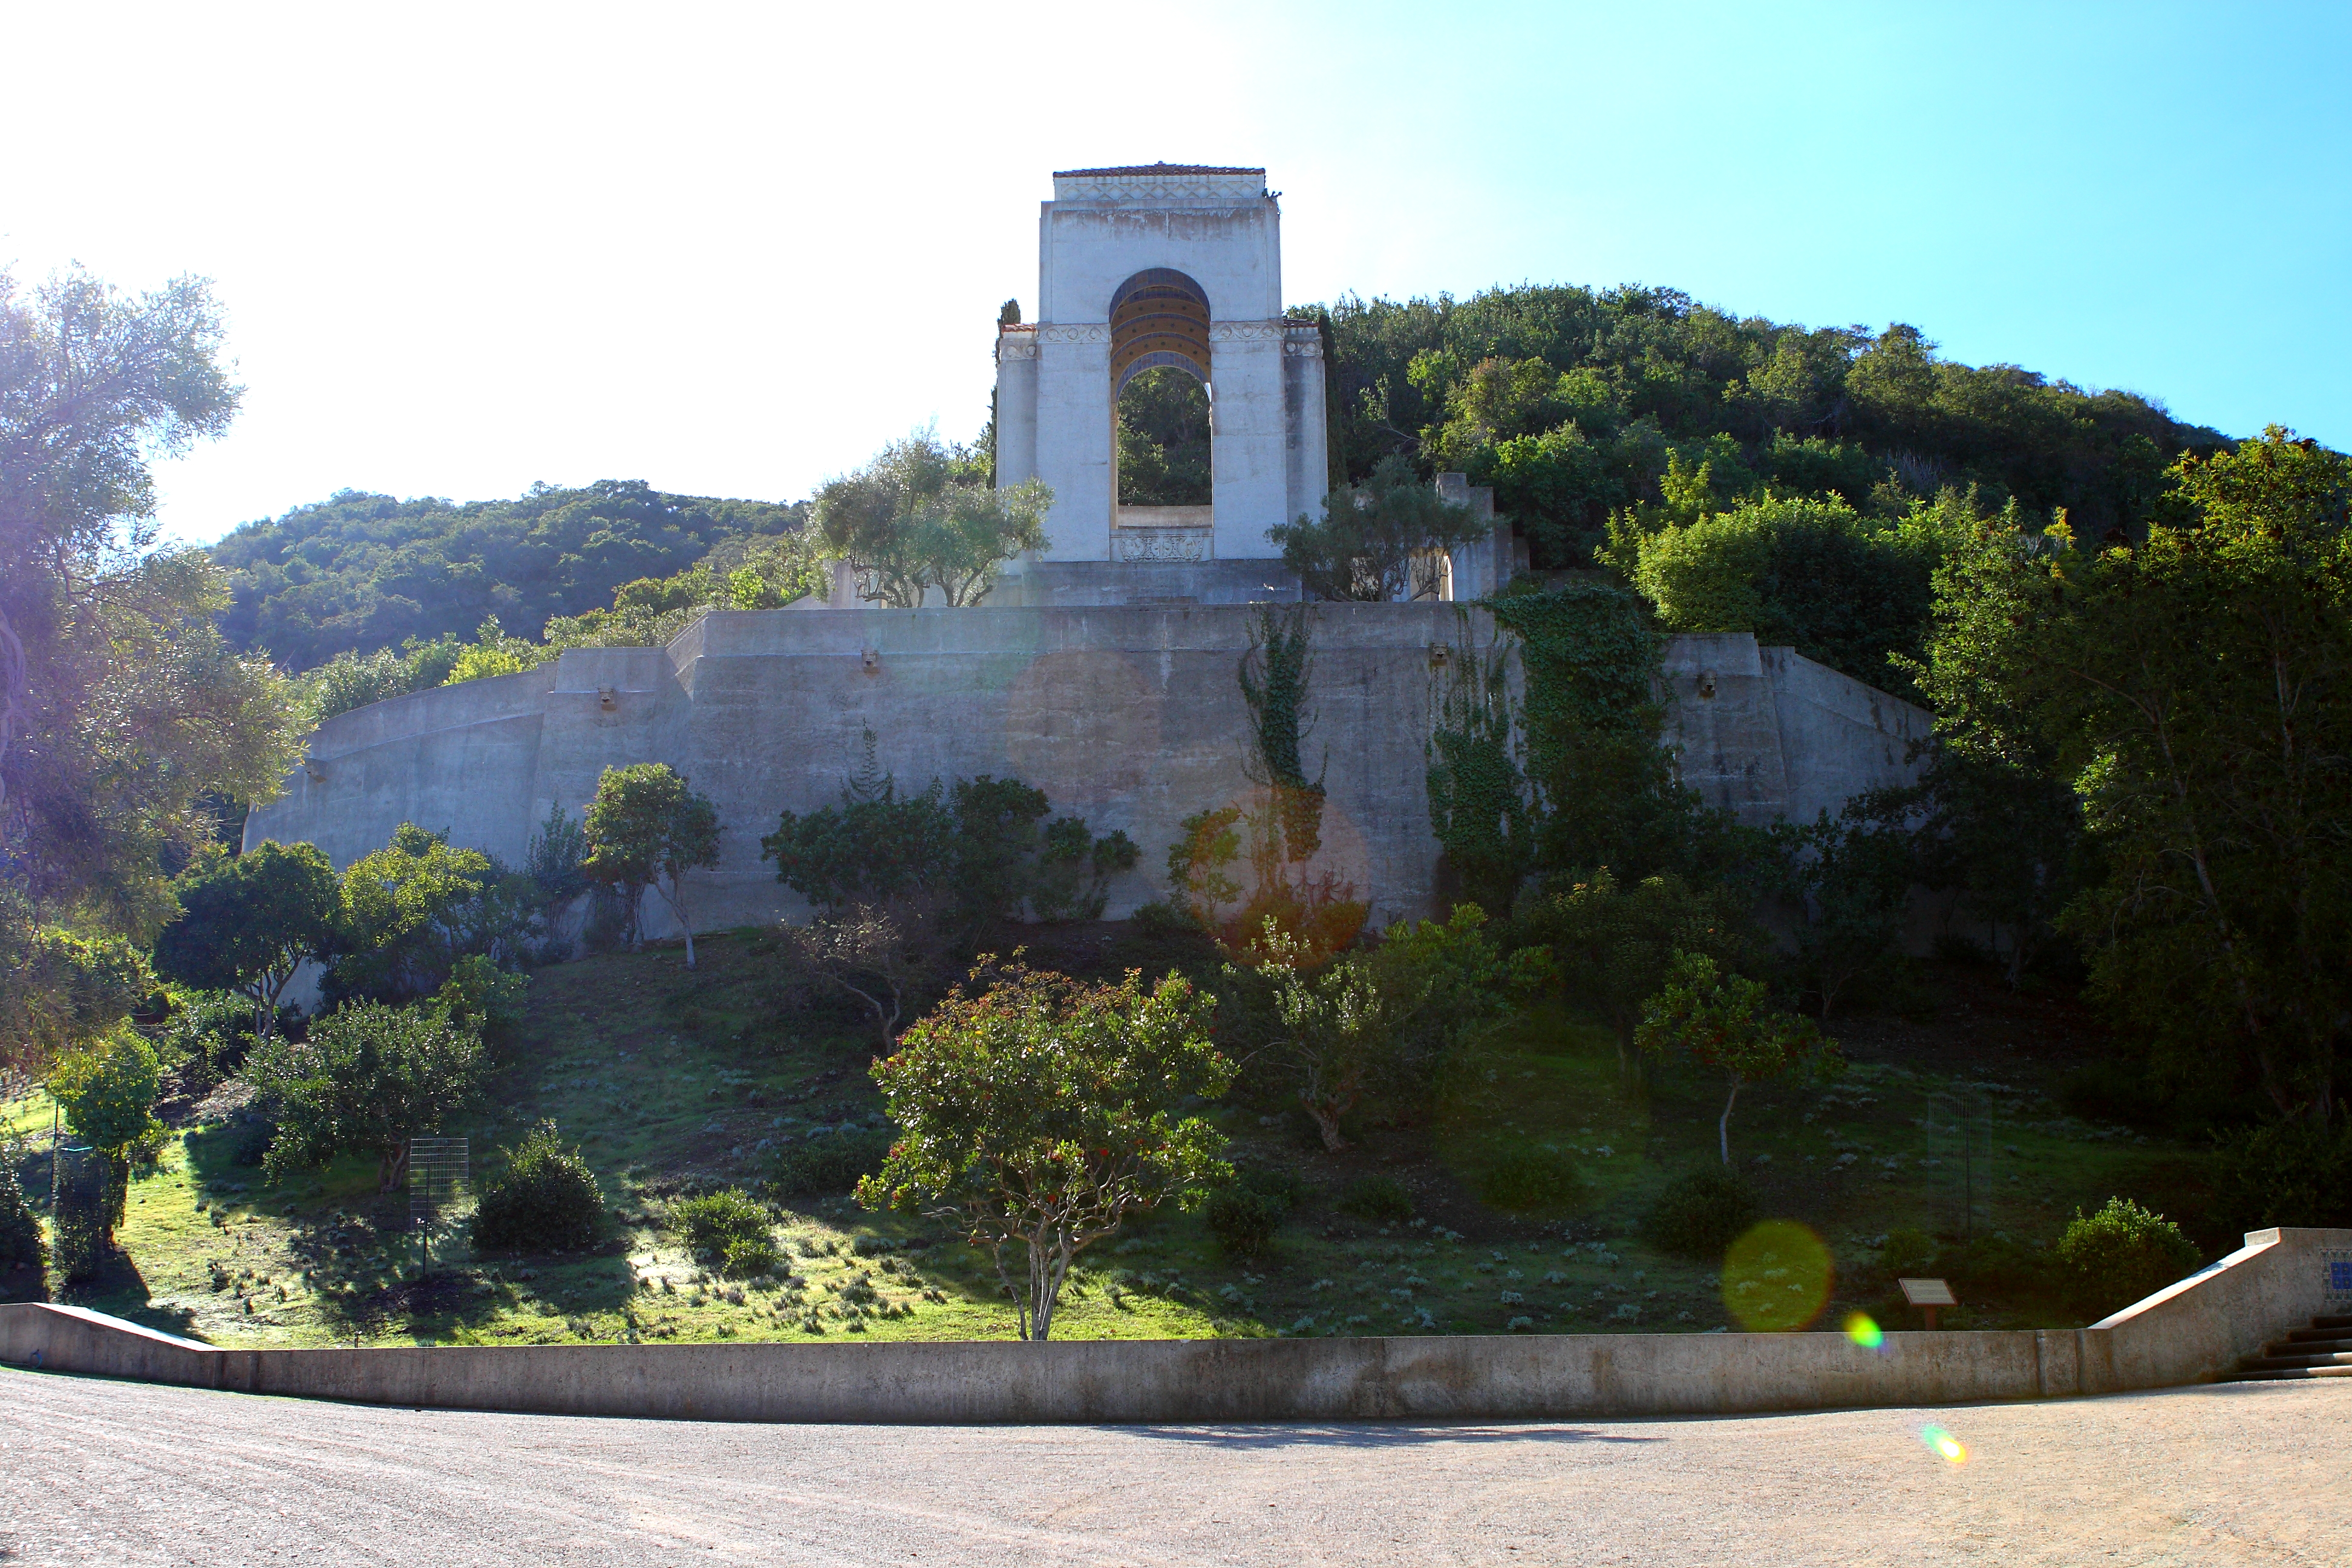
{"x": 1777, "y": 1276}
{"x": 1862, "y": 1331}
{"x": 1943, "y": 1444}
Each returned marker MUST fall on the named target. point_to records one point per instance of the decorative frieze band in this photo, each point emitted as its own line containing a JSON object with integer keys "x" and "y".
{"x": 1160, "y": 543}
{"x": 1286, "y": 333}
{"x": 1150, "y": 187}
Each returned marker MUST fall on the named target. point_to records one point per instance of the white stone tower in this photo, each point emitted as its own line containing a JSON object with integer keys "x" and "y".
{"x": 1173, "y": 265}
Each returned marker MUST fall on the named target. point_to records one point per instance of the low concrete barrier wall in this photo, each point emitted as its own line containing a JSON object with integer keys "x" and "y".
{"x": 2178, "y": 1336}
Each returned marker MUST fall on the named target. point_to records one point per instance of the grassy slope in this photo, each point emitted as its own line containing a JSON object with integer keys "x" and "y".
{"x": 670, "y": 1080}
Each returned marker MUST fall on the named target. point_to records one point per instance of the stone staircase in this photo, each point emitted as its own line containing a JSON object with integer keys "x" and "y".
{"x": 2322, "y": 1349}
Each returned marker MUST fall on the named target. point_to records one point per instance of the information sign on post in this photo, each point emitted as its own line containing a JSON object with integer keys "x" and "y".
{"x": 1927, "y": 1295}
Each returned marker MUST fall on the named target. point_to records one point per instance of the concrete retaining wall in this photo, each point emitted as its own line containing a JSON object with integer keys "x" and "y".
{"x": 2190, "y": 1331}
{"x": 1128, "y": 716}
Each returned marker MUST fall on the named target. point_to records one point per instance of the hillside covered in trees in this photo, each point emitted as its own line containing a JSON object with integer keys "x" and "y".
{"x": 1576, "y": 404}
{"x": 1573, "y": 402}
{"x": 357, "y": 573}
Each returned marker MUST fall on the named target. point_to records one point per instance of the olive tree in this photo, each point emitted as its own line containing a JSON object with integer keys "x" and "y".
{"x": 1727, "y": 1023}
{"x": 248, "y": 922}
{"x": 367, "y": 1079}
{"x": 923, "y": 516}
{"x": 647, "y": 830}
{"x": 1382, "y": 540}
{"x": 1040, "y": 1112}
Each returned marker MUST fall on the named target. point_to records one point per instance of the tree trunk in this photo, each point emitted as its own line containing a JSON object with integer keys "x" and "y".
{"x": 391, "y": 1167}
{"x": 1723, "y": 1127}
{"x": 1327, "y": 1123}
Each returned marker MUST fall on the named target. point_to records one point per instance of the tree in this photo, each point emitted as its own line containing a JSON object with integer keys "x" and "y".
{"x": 647, "y": 830}
{"x": 414, "y": 908}
{"x": 1383, "y": 539}
{"x": 248, "y": 922}
{"x": 366, "y": 1079}
{"x": 2197, "y": 690}
{"x": 885, "y": 958}
{"x": 1041, "y": 1113}
{"x": 1336, "y": 1040}
{"x": 978, "y": 853}
{"x": 1849, "y": 592}
{"x": 922, "y": 516}
{"x": 1615, "y": 947}
{"x": 1727, "y": 1023}
{"x": 1850, "y": 881}
{"x": 121, "y": 706}
{"x": 107, "y": 1093}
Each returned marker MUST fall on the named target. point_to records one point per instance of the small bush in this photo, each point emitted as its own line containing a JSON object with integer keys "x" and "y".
{"x": 828, "y": 1165}
{"x": 2285, "y": 1173}
{"x": 1529, "y": 1179}
{"x": 1281, "y": 1183}
{"x": 1907, "y": 1254}
{"x": 715, "y": 1221}
{"x": 747, "y": 1257}
{"x": 548, "y": 1198}
{"x": 1700, "y": 1214}
{"x": 1377, "y": 1198}
{"x": 21, "y": 1245}
{"x": 1243, "y": 1221}
{"x": 2120, "y": 1254}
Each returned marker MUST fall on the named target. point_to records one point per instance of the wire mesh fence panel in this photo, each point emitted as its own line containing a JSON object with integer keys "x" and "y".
{"x": 83, "y": 1219}
{"x": 440, "y": 1184}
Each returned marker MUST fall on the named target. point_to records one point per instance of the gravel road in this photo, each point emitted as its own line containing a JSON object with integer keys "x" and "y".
{"x": 115, "y": 1473}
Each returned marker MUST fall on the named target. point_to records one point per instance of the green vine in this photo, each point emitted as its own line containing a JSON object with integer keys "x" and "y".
{"x": 1602, "y": 790}
{"x": 1477, "y": 791}
{"x": 1273, "y": 677}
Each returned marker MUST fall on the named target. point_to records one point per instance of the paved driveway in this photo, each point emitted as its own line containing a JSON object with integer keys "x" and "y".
{"x": 112, "y": 1473}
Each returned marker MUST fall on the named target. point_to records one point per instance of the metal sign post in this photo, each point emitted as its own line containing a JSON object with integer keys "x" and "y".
{"x": 438, "y": 1180}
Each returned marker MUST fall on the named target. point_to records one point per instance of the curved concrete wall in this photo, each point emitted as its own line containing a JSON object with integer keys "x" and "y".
{"x": 2187, "y": 1332}
{"x": 1128, "y": 715}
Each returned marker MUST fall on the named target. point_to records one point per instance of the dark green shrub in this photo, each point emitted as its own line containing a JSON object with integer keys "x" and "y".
{"x": 21, "y": 1245}
{"x": 747, "y": 1257}
{"x": 1531, "y": 1179}
{"x": 1907, "y": 1254}
{"x": 1282, "y": 1184}
{"x": 1377, "y": 1198}
{"x": 548, "y": 1198}
{"x": 1243, "y": 1221}
{"x": 833, "y": 1165}
{"x": 2113, "y": 1258}
{"x": 251, "y": 1133}
{"x": 713, "y": 1222}
{"x": 1700, "y": 1214}
{"x": 2285, "y": 1173}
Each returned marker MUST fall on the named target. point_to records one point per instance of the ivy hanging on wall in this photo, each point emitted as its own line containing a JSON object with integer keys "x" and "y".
{"x": 1477, "y": 790}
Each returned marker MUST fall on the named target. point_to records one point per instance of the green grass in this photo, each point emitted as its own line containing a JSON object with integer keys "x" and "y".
{"x": 673, "y": 1081}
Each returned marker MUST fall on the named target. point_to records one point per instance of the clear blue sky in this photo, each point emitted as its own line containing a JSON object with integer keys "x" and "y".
{"x": 730, "y": 250}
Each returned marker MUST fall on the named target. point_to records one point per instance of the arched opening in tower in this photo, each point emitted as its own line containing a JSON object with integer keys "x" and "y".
{"x": 1160, "y": 385}
{"x": 1163, "y": 440}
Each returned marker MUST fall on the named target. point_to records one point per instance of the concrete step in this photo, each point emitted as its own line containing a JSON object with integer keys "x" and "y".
{"x": 2332, "y": 1321}
{"x": 2278, "y": 1361}
{"x": 2319, "y": 1336}
{"x": 2287, "y": 1374}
